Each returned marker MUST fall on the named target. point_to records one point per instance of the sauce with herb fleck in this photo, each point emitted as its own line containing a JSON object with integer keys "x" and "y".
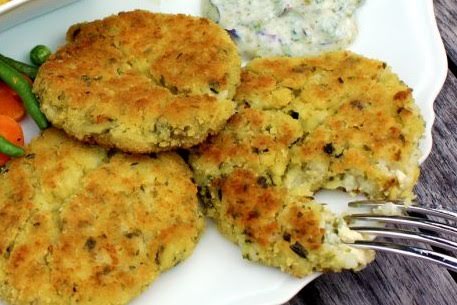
{"x": 286, "y": 27}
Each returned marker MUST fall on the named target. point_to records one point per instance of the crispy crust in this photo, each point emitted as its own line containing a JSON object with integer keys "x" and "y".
{"x": 360, "y": 126}
{"x": 275, "y": 228}
{"x": 83, "y": 225}
{"x": 141, "y": 82}
{"x": 334, "y": 121}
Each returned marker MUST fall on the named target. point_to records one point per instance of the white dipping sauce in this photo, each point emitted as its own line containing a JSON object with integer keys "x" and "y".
{"x": 286, "y": 27}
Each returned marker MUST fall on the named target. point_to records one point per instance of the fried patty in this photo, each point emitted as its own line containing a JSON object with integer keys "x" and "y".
{"x": 275, "y": 228}
{"x": 358, "y": 126}
{"x": 303, "y": 124}
{"x": 83, "y": 225}
{"x": 141, "y": 82}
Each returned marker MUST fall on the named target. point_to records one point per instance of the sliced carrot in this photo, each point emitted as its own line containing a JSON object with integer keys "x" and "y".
{"x": 12, "y": 131}
{"x": 10, "y": 103}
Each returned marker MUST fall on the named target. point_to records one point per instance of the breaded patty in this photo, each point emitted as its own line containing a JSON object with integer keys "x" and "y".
{"x": 278, "y": 229}
{"x": 240, "y": 174}
{"x": 83, "y": 225}
{"x": 360, "y": 127}
{"x": 303, "y": 124}
{"x": 141, "y": 82}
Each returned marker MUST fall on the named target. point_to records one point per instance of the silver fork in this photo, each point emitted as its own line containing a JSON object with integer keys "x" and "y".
{"x": 432, "y": 239}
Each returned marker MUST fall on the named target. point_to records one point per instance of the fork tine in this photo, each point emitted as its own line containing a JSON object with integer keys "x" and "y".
{"x": 411, "y": 208}
{"x": 402, "y": 234}
{"x": 406, "y": 220}
{"x": 441, "y": 259}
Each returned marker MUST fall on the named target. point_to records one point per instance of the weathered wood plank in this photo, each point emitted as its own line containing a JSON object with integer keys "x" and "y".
{"x": 390, "y": 280}
{"x": 393, "y": 279}
{"x": 446, "y": 16}
{"x": 438, "y": 182}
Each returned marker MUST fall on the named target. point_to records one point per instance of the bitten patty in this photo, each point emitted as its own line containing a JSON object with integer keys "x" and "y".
{"x": 141, "y": 82}
{"x": 275, "y": 228}
{"x": 83, "y": 225}
{"x": 303, "y": 124}
{"x": 358, "y": 126}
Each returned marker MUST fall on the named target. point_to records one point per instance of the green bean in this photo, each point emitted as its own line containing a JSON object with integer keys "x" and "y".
{"x": 9, "y": 148}
{"x": 39, "y": 54}
{"x": 28, "y": 70}
{"x": 18, "y": 83}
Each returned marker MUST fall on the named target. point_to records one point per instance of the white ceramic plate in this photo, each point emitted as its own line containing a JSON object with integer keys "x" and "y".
{"x": 17, "y": 11}
{"x": 400, "y": 32}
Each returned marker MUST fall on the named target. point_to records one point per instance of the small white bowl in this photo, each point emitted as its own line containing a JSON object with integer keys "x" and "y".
{"x": 17, "y": 11}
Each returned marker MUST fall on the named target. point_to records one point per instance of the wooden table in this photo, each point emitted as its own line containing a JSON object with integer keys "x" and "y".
{"x": 394, "y": 279}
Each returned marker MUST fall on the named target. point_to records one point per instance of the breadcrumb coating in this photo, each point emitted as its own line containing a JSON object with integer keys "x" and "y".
{"x": 336, "y": 121}
{"x": 141, "y": 82}
{"x": 83, "y": 225}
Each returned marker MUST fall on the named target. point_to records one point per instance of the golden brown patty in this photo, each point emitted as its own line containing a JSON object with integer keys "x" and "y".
{"x": 358, "y": 126}
{"x": 334, "y": 121}
{"x": 141, "y": 82}
{"x": 275, "y": 228}
{"x": 83, "y": 225}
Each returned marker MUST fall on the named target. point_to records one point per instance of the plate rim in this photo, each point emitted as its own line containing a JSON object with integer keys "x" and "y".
{"x": 442, "y": 73}
{"x": 9, "y": 6}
